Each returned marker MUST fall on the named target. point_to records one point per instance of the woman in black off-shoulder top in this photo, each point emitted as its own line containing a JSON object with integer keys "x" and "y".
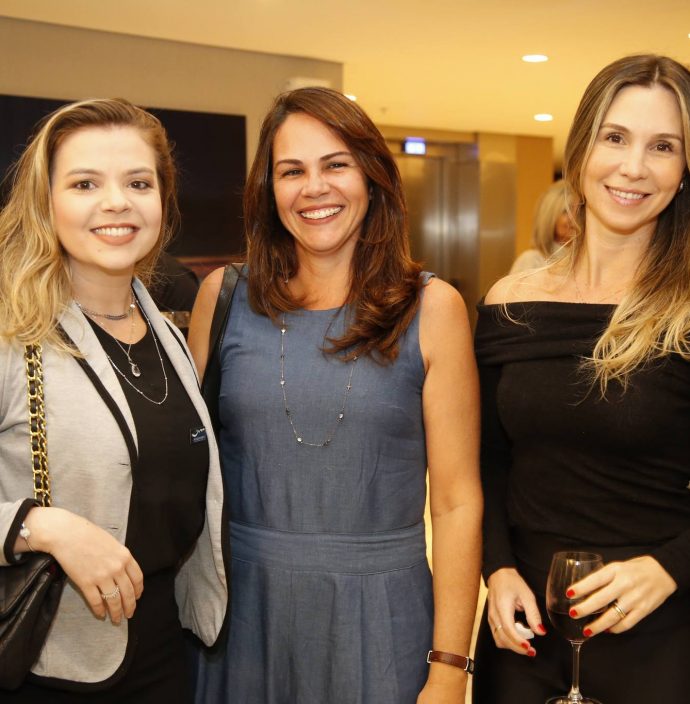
{"x": 585, "y": 374}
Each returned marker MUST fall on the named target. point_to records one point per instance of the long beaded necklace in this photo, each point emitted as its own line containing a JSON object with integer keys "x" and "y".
{"x": 283, "y": 383}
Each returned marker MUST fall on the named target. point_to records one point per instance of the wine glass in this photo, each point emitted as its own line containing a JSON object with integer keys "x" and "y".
{"x": 566, "y": 569}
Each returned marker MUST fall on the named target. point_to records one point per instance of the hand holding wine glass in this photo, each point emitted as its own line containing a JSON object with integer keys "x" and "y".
{"x": 566, "y": 569}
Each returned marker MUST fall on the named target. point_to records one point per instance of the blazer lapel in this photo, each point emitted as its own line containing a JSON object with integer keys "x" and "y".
{"x": 84, "y": 338}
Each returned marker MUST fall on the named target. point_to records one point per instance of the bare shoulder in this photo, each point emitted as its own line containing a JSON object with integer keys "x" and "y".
{"x": 202, "y": 315}
{"x": 439, "y": 298}
{"x": 210, "y": 286}
{"x": 531, "y": 285}
{"x": 443, "y": 324}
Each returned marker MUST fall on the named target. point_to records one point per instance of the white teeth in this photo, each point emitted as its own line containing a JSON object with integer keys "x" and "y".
{"x": 626, "y": 195}
{"x": 320, "y": 214}
{"x": 113, "y": 231}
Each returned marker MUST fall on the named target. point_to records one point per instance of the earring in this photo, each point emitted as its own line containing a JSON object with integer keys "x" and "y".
{"x": 682, "y": 186}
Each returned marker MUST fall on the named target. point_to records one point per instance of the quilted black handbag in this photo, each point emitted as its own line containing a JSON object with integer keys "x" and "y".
{"x": 30, "y": 590}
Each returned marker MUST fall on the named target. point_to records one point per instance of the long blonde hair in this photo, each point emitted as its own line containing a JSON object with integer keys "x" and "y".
{"x": 35, "y": 286}
{"x": 653, "y": 319}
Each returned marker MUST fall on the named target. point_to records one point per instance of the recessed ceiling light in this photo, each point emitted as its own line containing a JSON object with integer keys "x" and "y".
{"x": 543, "y": 117}
{"x": 351, "y": 97}
{"x": 535, "y": 58}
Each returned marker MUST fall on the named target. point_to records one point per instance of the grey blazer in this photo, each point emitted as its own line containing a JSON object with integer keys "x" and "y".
{"x": 90, "y": 471}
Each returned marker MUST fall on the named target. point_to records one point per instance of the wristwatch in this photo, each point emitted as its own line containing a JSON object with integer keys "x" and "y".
{"x": 466, "y": 664}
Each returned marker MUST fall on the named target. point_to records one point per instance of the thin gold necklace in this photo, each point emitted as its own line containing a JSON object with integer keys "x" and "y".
{"x": 610, "y": 294}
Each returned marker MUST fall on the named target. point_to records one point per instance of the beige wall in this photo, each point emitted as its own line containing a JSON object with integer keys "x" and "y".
{"x": 52, "y": 61}
{"x": 534, "y": 159}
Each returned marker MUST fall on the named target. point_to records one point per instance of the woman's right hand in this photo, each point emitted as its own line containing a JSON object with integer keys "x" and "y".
{"x": 91, "y": 557}
{"x": 508, "y": 593}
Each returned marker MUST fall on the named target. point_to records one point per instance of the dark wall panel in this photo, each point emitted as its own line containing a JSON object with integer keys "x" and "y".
{"x": 210, "y": 152}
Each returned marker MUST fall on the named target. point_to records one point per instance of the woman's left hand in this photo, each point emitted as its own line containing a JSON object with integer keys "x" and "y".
{"x": 626, "y": 591}
{"x": 443, "y": 693}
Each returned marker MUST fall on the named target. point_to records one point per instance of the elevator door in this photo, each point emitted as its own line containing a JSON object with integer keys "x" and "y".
{"x": 423, "y": 183}
{"x": 442, "y": 192}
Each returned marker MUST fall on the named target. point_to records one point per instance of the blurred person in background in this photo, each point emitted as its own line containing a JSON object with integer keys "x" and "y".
{"x": 553, "y": 227}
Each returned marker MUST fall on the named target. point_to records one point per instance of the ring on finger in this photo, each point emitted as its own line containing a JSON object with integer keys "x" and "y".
{"x": 111, "y": 595}
{"x": 617, "y": 608}
{"x": 497, "y": 628}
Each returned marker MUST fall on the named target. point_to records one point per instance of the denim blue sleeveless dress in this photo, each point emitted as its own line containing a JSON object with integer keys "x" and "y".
{"x": 331, "y": 590}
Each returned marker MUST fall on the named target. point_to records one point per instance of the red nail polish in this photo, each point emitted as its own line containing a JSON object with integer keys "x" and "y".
{"x": 570, "y": 593}
{"x": 573, "y": 613}
{"x": 541, "y": 628}
{"x": 531, "y": 652}
{"x": 586, "y": 632}
{"x": 525, "y": 645}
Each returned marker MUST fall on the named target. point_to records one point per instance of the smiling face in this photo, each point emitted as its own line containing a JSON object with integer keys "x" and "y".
{"x": 321, "y": 193}
{"x": 105, "y": 199}
{"x": 636, "y": 164}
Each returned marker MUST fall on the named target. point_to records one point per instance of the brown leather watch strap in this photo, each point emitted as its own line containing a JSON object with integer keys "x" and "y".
{"x": 466, "y": 664}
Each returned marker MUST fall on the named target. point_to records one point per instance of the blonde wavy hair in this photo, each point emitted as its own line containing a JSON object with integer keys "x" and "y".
{"x": 552, "y": 203}
{"x": 653, "y": 319}
{"x": 35, "y": 286}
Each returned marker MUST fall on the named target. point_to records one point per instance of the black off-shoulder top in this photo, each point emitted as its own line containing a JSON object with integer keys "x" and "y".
{"x": 561, "y": 463}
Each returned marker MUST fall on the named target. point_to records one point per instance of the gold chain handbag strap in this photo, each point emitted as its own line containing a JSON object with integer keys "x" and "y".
{"x": 37, "y": 423}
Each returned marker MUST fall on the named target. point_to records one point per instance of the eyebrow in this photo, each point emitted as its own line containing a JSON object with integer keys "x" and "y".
{"x": 622, "y": 128}
{"x": 95, "y": 172}
{"x": 326, "y": 157}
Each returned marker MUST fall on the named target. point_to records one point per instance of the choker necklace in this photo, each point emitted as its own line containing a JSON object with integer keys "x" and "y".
{"x": 107, "y": 316}
{"x": 341, "y": 415}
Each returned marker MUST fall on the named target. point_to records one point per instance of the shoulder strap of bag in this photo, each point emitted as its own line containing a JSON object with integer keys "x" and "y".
{"x": 37, "y": 423}
{"x": 210, "y": 386}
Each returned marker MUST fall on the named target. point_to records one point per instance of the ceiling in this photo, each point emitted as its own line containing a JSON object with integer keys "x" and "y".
{"x": 444, "y": 64}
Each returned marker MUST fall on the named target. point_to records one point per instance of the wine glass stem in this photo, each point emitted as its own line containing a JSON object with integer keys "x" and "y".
{"x": 574, "y": 693}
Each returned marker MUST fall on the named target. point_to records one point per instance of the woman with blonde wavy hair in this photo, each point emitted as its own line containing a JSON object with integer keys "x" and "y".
{"x": 585, "y": 375}
{"x": 552, "y": 227}
{"x": 135, "y": 482}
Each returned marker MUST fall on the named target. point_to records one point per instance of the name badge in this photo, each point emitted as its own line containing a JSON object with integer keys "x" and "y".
{"x": 197, "y": 435}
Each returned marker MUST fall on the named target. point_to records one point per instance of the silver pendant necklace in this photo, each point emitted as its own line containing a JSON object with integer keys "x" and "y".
{"x": 160, "y": 359}
{"x": 283, "y": 384}
{"x": 134, "y": 367}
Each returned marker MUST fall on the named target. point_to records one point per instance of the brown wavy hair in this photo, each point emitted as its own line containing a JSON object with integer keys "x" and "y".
{"x": 384, "y": 281}
{"x": 35, "y": 285}
{"x": 653, "y": 319}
